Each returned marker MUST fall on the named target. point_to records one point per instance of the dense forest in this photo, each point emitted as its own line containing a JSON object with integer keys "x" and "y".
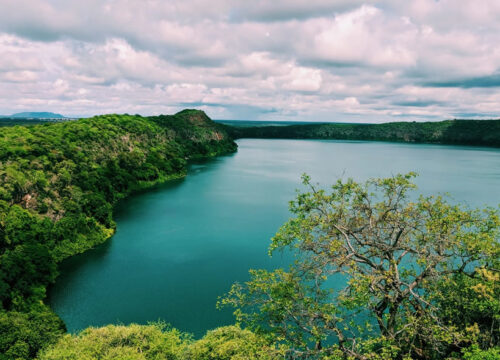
{"x": 453, "y": 132}
{"x": 26, "y": 122}
{"x": 59, "y": 183}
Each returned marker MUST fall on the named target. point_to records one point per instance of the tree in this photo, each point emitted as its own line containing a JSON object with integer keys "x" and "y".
{"x": 372, "y": 273}
{"x": 23, "y": 334}
{"x": 232, "y": 343}
{"x": 133, "y": 342}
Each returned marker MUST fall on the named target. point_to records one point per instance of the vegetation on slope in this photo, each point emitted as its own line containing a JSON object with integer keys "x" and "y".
{"x": 27, "y": 122}
{"x": 58, "y": 185}
{"x": 453, "y": 132}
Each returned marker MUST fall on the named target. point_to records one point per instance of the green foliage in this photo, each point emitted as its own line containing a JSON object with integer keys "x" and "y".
{"x": 232, "y": 343}
{"x": 475, "y": 353}
{"x": 10, "y": 121}
{"x": 156, "y": 341}
{"x": 473, "y": 304}
{"x": 133, "y": 342}
{"x": 24, "y": 333}
{"x": 59, "y": 183}
{"x": 459, "y": 132}
{"x": 378, "y": 275}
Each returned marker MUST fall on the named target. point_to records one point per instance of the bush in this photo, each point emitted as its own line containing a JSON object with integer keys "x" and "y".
{"x": 232, "y": 343}
{"x": 133, "y": 342}
{"x": 25, "y": 333}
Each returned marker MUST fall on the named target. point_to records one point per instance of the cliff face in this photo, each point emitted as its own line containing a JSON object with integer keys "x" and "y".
{"x": 197, "y": 132}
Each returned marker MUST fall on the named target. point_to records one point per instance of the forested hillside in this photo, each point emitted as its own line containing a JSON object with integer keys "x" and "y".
{"x": 453, "y": 132}
{"x": 27, "y": 122}
{"x": 59, "y": 183}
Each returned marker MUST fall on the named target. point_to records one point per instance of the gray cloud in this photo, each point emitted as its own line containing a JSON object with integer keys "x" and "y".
{"x": 475, "y": 82}
{"x": 286, "y": 59}
{"x": 417, "y": 103}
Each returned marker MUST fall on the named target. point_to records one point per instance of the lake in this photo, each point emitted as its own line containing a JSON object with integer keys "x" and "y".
{"x": 181, "y": 245}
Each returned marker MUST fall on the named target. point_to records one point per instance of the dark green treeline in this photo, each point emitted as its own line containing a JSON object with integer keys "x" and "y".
{"x": 452, "y": 132}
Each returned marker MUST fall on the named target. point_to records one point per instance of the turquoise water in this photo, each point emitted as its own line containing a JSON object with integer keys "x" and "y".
{"x": 180, "y": 246}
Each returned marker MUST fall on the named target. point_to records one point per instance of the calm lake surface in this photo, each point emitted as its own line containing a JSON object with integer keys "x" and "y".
{"x": 180, "y": 246}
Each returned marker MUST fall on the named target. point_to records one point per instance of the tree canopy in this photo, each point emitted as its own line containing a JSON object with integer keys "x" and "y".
{"x": 159, "y": 342}
{"x": 463, "y": 132}
{"x": 378, "y": 274}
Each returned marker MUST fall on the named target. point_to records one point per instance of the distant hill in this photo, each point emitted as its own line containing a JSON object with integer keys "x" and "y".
{"x": 31, "y": 118}
{"x": 35, "y": 115}
{"x": 454, "y": 132}
{"x": 264, "y": 123}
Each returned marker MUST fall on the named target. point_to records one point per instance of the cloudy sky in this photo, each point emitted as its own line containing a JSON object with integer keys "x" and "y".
{"x": 310, "y": 60}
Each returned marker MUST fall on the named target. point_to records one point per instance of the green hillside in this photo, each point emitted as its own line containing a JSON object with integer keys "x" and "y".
{"x": 457, "y": 132}
{"x": 59, "y": 183}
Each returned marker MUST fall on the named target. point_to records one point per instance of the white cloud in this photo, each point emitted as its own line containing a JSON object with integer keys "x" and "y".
{"x": 19, "y": 76}
{"x": 285, "y": 59}
{"x": 304, "y": 79}
{"x": 362, "y": 36}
